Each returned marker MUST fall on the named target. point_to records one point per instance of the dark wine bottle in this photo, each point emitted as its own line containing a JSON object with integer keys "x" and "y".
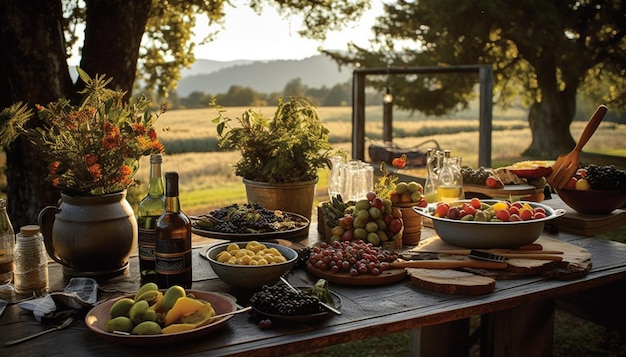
{"x": 149, "y": 210}
{"x": 173, "y": 240}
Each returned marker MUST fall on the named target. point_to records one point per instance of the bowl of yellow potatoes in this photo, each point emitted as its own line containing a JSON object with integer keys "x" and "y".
{"x": 250, "y": 265}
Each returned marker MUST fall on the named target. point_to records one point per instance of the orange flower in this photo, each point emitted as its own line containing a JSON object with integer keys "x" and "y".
{"x": 54, "y": 166}
{"x": 399, "y": 162}
{"x": 90, "y": 159}
{"x": 95, "y": 171}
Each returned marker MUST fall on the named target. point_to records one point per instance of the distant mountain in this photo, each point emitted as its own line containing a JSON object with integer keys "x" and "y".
{"x": 203, "y": 66}
{"x": 213, "y": 77}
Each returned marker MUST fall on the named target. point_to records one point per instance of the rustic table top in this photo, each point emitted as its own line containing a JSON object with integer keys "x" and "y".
{"x": 367, "y": 310}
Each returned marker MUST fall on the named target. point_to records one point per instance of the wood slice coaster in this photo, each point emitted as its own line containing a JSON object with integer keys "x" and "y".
{"x": 386, "y": 277}
{"x": 451, "y": 281}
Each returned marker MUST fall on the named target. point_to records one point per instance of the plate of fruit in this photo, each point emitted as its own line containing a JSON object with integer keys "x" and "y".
{"x": 249, "y": 222}
{"x": 153, "y": 317}
{"x": 279, "y": 302}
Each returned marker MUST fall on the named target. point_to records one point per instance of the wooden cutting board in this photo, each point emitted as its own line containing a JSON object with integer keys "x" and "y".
{"x": 576, "y": 262}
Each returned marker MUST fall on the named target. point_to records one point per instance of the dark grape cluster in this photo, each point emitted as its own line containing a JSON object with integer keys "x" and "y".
{"x": 476, "y": 177}
{"x": 606, "y": 177}
{"x": 281, "y": 300}
{"x": 250, "y": 218}
{"x": 353, "y": 257}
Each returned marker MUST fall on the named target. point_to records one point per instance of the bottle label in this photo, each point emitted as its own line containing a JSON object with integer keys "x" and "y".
{"x": 172, "y": 256}
{"x": 146, "y": 242}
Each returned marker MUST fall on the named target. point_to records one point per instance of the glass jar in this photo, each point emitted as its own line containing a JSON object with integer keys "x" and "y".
{"x": 7, "y": 245}
{"x": 450, "y": 186}
{"x": 31, "y": 262}
{"x": 432, "y": 179}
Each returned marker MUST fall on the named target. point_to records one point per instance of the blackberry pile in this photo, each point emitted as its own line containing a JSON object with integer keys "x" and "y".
{"x": 303, "y": 257}
{"x": 248, "y": 218}
{"x": 606, "y": 177}
{"x": 281, "y": 300}
{"x": 475, "y": 177}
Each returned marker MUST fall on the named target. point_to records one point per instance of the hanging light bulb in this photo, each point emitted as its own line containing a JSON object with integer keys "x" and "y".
{"x": 388, "y": 97}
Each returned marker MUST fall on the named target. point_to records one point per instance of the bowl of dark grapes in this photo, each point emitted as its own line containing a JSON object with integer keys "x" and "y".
{"x": 279, "y": 302}
{"x": 595, "y": 189}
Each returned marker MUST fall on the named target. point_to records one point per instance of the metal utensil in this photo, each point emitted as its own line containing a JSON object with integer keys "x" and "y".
{"x": 294, "y": 289}
{"x": 566, "y": 165}
{"x": 248, "y": 308}
{"x": 500, "y": 257}
{"x": 65, "y": 324}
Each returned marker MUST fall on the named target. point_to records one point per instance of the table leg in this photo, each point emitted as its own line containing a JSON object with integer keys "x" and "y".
{"x": 527, "y": 330}
{"x": 446, "y": 339}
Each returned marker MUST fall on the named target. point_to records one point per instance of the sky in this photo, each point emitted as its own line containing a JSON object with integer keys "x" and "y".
{"x": 249, "y": 36}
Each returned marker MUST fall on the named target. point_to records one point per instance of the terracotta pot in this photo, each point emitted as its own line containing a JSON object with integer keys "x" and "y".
{"x": 412, "y": 223}
{"x": 289, "y": 197}
{"x": 90, "y": 235}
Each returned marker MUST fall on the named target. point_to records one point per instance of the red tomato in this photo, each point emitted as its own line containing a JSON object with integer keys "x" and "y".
{"x": 475, "y": 202}
{"x": 503, "y": 215}
{"x": 491, "y": 182}
{"x": 442, "y": 209}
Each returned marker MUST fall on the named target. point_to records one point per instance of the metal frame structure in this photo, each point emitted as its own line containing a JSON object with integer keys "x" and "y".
{"x": 485, "y": 77}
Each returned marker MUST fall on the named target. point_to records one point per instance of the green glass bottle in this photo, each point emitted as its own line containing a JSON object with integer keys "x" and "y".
{"x": 150, "y": 209}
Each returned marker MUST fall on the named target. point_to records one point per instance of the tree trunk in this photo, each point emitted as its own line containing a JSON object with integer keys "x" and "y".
{"x": 549, "y": 122}
{"x": 113, "y": 35}
{"x": 34, "y": 70}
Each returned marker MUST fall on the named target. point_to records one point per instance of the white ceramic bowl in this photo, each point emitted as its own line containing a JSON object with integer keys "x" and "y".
{"x": 251, "y": 277}
{"x": 487, "y": 235}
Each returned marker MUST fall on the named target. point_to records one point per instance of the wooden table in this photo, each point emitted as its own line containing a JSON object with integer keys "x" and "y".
{"x": 440, "y": 319}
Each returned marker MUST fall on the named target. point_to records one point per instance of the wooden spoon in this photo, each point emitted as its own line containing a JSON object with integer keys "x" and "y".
{"x": 566, "y": 165}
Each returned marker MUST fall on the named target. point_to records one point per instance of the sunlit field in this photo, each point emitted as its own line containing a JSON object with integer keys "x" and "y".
{"x": 207, "y": 181}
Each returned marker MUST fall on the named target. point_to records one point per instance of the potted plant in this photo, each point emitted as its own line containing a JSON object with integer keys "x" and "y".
{"x": 93, "y": 151}
{"x": 281, "y": 155}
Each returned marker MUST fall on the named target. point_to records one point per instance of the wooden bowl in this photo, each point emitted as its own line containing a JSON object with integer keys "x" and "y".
{"x": 592, "y": 201}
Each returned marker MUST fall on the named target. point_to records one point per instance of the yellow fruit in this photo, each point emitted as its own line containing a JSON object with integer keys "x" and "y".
{"x": 145, "y": 288}
{"x": 121, "y": 307}
{"x": 172, "y": 294}
{"x": 224, "y": 256}
{"x": 183, "y": 306}
{"x": 173, "y": 328}
{"x": 232, "y": 246}
{"x": 200, "y": 317}
{"x": 119, "y": 323}
{"x": 147, "y": 328}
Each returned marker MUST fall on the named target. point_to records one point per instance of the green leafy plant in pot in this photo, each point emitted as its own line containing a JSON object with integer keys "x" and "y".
{"x": 281, "y": 155}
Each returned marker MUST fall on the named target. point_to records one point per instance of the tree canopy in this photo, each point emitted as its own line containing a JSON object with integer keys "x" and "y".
{"x": 122, "y": 39}
{"x": 547, "y": 52}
